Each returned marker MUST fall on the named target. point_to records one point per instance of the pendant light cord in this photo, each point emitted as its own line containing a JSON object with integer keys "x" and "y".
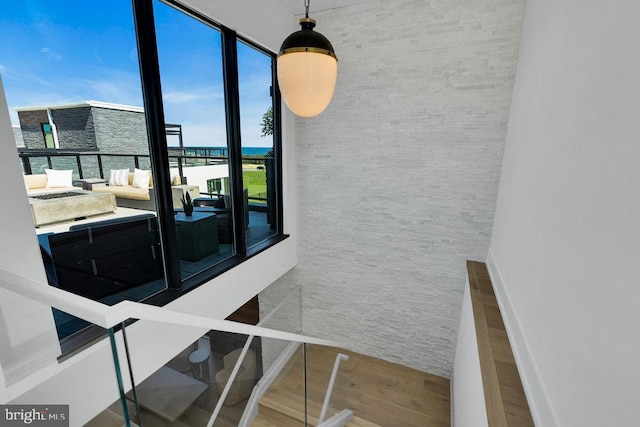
{"x": 306, "y": 6}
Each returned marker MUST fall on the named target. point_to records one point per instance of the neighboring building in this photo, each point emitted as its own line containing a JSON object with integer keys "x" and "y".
{"x": 85, "y": 126}
{"x": 17, "y": 134}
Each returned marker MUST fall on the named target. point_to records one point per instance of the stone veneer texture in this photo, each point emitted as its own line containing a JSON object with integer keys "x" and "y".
{"x": 397, "y": 180}
{"x": 30, "y": 127}
{"x": 76, "y": 128}
{"x": 119, "y": 131}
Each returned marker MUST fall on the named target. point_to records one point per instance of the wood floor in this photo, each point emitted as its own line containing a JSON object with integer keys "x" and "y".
{"x": 379, "y": 393}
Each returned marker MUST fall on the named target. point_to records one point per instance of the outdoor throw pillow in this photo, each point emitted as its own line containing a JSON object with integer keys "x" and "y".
{"x": 56, "y": 178}
{"x": 141, "y": 178}
{"x": 119, "y": 177}
{"x": 175, "y": 176}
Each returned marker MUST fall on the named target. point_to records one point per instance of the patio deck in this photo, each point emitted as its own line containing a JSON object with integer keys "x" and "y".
{"x": 257, "y": 231}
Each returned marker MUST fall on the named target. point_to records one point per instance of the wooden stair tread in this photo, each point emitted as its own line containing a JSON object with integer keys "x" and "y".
{"x": 359, "y": 422}
{"x": 264, "y": 421}
{"x": 291, "y": 405}
{"x": 376, "y": 390}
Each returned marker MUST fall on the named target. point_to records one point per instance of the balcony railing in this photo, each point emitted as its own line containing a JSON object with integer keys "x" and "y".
{"x": 91, "y": 164}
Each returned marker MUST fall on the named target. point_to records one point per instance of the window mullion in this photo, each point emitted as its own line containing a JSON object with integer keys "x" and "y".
{"x": 232, "y": 105}
{"x": 277, "y": 144}
{"x": 154, "y": 114}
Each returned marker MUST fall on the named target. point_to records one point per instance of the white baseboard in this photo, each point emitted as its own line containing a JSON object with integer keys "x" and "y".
{"x": 537, "y": 396}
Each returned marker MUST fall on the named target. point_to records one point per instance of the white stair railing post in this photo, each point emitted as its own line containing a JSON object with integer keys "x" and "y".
{"x": 238, "y": 365}
{"x": 338, "y": 420}
{"x": 334, "y": 374}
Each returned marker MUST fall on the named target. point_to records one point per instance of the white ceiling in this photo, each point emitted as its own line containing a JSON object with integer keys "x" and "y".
{"x": 297, "y": 6}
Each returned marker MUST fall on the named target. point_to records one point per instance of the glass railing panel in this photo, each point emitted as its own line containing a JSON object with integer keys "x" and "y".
{"x": 278, "y": 396}
{"x": 111, "y": 162}
{"x": 318, "y": 371}
{"x": 180, "y": 391}
{"x": 213, "y": 377}
{"x": 239, "y": 368}
{"x": 263, "y": 364}
{"x": 199, "y": 381}
{"x": 281, "y": 309}
{"x": 38, "y": 164}
{"x": 336, "y": 394}
{"x": 191, "y": 375}
{"x": 90, "y": 167}
{"x": 326, "y": 383}
{"x": 113, "y": 416}
{"x": 65, "y": 163}
{"x": 123, "y": 411}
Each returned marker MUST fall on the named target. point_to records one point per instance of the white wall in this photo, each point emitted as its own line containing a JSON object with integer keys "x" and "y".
{"x": 397, "y": 179}
{"x": 199, "y": 175}
{"x": 265, "y": 22}
{"x": 28, "y": 339}
{"x": 566, "y": 238}
{"x": 467, "y": 392}
{"x": 87, "y": 381}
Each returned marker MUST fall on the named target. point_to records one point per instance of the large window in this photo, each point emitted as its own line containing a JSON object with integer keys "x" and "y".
{"x": 257, "y": 136}
{"x": 182, "y": 134}
{"x": 190, "y": 57}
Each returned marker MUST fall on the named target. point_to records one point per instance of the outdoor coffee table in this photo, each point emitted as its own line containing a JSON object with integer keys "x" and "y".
{"x": 49, "y": 208}
{"x": 197, "y": 235}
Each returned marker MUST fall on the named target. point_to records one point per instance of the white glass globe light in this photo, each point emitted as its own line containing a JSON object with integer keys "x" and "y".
{"x": 307, "y": 81}
{"x": 307, "y": 70}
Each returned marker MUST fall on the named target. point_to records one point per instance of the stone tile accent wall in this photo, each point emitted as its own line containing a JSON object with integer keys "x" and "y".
{"x": 17, "y": 134}
{"x": 119, "y": 131}
{"x": 398, "y": 178}
{"x": 30, "y": 126}
{"x": 75, "y": 128}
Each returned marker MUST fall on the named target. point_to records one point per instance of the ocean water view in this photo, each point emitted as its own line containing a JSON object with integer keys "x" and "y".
{"x": 255, "y": 151}
{"x": 222, "y": 151}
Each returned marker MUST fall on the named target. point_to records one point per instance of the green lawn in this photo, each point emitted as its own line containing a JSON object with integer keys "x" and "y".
{"x": 256, "y": 183}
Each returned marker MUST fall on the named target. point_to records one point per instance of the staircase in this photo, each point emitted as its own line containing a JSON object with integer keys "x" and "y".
{"x": 379, "y": 393}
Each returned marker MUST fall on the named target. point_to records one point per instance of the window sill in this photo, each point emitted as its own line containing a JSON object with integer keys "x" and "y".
{"x": 86, "y": 337}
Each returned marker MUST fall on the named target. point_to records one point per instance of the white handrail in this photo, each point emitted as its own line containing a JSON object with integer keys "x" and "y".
{"x": 334, "y": 374}
{"x": 109, "y": 316}
{"x": 251, "y": 411}
{"x": 238, "y": 364}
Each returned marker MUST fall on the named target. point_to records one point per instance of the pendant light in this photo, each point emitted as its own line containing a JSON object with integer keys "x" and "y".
{"x": 307, "y": 69}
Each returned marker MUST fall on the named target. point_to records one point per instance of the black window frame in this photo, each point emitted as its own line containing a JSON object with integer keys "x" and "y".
{"x": 145, "y": 33}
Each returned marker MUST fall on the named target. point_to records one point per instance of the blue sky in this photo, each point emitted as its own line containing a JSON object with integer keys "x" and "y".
{"x": 72, "y": 51}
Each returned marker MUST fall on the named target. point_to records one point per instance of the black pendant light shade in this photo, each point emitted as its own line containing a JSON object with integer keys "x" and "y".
{"x": 307, "y": 70}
